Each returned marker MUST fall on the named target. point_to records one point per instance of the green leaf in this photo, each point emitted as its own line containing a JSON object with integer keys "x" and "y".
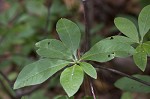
{"x": 146, "y": 47}
{"x": 36, "y": 7}
{"x": 106, "y": 50}
{"x": 52, "y": 48}
{"x": 71, "y": 79}
{"x": 127, "y": 27}
{"x": 36, "y": 95}
{"x": 127, "y": 95}
{"x": 130, "y": 85}
{"x": 144, "y": 21}
{"x": 63, "y": 97}
{"x": 89, "y": 69}
{"x": 69, "y": 33}
{"x": 122, "y": 39}
{"x": 140, "y": 57}
{"x": 38, "y": 72}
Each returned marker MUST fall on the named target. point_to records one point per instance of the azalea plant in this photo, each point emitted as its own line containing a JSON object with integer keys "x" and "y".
{"x": 63, "y": 55}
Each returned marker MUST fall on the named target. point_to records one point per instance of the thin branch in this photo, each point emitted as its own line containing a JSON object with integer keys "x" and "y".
{"x": 122, "y": 74}
{"x": 7, "y": 91}
{"x": 87, "y": 36}
{"x": 48, "y": 19}
{"x": 92, "y": 89}
{"x": 20, "y": 93}
{"x": 87, "y": 26}
{"x": 7, "y": 80}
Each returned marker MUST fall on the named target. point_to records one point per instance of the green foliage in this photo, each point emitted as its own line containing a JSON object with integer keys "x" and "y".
{"x": 56, "y": 55}
{"x": 127, "y": 84}
{"x": 146, "y": 47}
{"x": 129, "y": 29}
{"x": 127, "y": 95}
{"x": 89, "y": 69}
{"x": 36, "y": 95}
{"x": 71, "y": 79}
{"x": 51, "y": 48}
{"x": 140, "y": 57}
{"x": 106, "y": 50}
{"x": 63, "y": 97}
{"x": 144, "y": 21}
{"x": 69, "y": 33}
{"x": 38, "y": 72}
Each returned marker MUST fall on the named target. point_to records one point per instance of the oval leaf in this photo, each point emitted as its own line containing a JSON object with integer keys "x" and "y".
{"x": 52, "y": 48}
{"x": 140, "y": 58}
{"x": 38, "y": 72}
{"x": 71, "y": 79}
{"x": 106, "y": 50}
{"x": 127, "y": 27}
{"x": 130, "y": 85}
{"x": 146, "y": 47}
{"x": 127, "y": 95}
{"x": 89, "y": 69}
{"x": 69, "y": 33}
{"x": 144, "y": 21}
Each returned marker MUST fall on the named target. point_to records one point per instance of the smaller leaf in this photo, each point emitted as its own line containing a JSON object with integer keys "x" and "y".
{"x": 146, "y": 47}
{"x": 127, "y": 95}
{"x": 130, "y": 85}
{"x": 127, "y": 27}
{"x": 71, "y": 79}
{"x": 144, "y": 21}
{"x": 140, "y": 58}
{"x": 89, "y": 69}
{"x": 53, "y": 48}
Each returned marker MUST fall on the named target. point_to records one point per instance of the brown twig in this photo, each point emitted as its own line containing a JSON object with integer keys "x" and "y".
{"x": 87, "y": 26}
{"x": 122, "y": 74}
{"x": 6, "y": 90}
{"x": 87, "y": 37}
{"x": 5, "y": 77}
{"x": 20, "y": 93}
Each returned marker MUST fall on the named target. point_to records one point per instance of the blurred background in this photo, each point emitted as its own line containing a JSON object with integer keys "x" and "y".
{"x": 25, "y": 22}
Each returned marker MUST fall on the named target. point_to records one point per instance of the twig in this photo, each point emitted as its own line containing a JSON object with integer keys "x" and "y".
{"x": 87, "y": 37}
{"x": 5, "y": 77}
{"x": 87, "y": 26}
{"x": 92, "y": 89}
{"x": 20, "y": 93}
{"x": 122, "y": 74}
{"x": 48, "y": 19}
{"x": 7, "y": 91}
